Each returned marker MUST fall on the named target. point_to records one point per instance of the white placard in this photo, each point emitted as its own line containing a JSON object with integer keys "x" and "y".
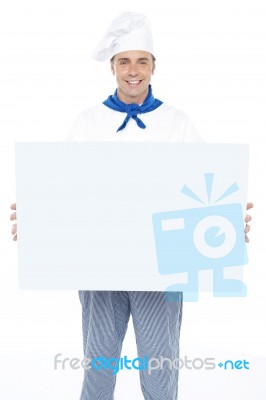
{"x": 87, "y": 213}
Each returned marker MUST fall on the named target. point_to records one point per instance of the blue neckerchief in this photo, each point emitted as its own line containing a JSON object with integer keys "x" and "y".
{"x": 133, "y": 109}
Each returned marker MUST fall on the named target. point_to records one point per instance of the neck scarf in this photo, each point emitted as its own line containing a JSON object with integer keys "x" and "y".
{"x": 133, "y": 109}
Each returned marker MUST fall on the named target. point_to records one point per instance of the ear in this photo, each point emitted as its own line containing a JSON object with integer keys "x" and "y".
{"x": 112, "y": 68}
{"x": 153, "y": 68}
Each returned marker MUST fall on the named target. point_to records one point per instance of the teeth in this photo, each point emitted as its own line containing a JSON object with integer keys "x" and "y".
{"x": 133, "y": 82}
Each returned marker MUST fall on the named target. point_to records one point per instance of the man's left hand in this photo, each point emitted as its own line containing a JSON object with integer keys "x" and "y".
{"x": 248, "y": 219}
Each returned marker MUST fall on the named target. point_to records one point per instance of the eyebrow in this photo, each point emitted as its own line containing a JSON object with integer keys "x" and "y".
{"x": 128, "y": 59}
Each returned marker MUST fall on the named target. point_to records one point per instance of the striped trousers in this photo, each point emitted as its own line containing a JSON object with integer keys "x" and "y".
{"x": 156, "y": 322}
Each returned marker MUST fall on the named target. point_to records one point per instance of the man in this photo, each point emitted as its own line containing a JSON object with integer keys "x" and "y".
{"x": 131, "y": 114}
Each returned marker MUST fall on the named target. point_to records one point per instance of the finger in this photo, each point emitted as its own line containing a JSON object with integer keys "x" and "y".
{"x": 250, "y": 205}
{"x": 13, "y": 216}
{"x": 14, "y": 229}
{"x": 13, "y": 206}
{"x": 248, "y": 218}
{"x": 246, "y": 239}
{"x": 247, "y": 229}
{"x": 15, "y": 237}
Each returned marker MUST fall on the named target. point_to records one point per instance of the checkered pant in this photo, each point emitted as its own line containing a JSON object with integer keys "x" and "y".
{"x": 157, "y": 323}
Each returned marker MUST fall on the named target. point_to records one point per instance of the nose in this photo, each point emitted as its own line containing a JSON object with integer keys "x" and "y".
{"x": 132, "y": 70}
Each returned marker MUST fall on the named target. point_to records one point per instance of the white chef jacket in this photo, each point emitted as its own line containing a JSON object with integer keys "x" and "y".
{"x": 165, "y": 123}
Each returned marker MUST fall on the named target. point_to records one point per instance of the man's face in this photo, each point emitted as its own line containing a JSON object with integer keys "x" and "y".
{"x": 133, "y": 70}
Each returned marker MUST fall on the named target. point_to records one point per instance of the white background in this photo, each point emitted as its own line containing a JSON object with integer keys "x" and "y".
{"x": 211, "y": 64}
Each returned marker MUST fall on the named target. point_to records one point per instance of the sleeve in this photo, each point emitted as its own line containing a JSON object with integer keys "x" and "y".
{"x": 77, "y": 130}
{"x": 190, "y": 133}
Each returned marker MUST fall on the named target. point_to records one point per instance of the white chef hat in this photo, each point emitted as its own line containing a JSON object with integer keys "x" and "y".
{"x": 128, "y": 31}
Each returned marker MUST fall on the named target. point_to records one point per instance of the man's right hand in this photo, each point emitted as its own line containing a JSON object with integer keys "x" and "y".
{"x": 13, "y": 217}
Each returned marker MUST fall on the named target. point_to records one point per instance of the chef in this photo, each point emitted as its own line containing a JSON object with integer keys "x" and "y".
{"x": 131, "y": 113}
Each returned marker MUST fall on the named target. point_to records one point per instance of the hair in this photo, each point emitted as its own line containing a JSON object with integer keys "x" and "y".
{"x": 113, "y": 58}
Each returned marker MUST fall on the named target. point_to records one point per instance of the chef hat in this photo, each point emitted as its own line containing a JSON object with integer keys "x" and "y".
{"x": 128, "y": 31}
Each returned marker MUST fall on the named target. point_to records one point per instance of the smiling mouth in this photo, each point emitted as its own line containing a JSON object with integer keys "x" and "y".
{"x": 134, "y": 83}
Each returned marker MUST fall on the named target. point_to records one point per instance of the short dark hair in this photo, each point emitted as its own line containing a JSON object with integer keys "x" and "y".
{"x": 113, "y": 58}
